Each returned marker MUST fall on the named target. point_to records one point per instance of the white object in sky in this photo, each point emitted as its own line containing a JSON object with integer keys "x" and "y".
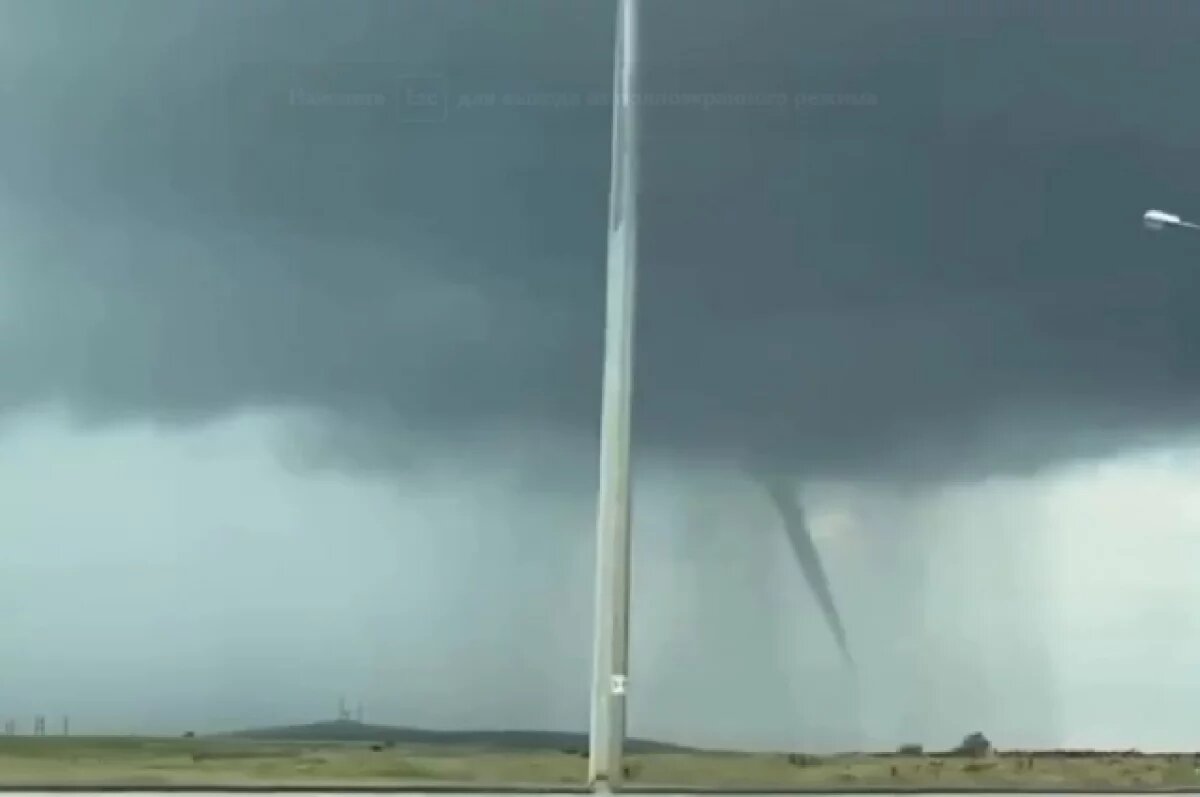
{"x": 1158, "y": 219}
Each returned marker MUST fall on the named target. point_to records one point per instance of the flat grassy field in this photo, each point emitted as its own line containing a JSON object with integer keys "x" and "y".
{"x": 27, "y": 761}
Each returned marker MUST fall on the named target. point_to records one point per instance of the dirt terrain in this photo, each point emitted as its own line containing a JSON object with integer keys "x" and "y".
{"x": 238, "y": 761}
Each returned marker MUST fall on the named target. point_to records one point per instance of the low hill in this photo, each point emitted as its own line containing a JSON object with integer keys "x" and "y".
{"x": 350, "y": 731}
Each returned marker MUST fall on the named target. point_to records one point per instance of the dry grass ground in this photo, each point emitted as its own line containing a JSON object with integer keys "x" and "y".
{"x": 211, "y": 762}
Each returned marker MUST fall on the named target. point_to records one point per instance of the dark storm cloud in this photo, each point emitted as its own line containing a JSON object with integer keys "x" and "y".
{"x": 891, "y": 238}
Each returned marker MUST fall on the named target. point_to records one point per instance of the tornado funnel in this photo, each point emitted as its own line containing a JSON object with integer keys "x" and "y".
{"x": 783, "y": 496}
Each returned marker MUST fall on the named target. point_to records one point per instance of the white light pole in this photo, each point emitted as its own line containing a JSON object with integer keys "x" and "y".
{"x": 1157, "y": 220}
{"x": 611, "y": 651}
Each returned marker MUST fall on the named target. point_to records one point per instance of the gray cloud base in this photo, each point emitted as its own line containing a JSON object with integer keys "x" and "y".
{"x": 897, "y": 242}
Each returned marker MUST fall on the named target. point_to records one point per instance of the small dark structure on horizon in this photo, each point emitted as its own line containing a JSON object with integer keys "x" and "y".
{"x": 975, "y": 745}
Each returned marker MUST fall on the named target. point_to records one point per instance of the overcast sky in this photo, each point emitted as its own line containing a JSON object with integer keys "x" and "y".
{"x": 300, "y": 373}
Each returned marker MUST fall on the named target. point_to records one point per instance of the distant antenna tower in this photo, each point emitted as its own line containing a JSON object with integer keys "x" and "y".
{"x": 66, "y": 725}
{"x": 39, "y": 725}
{"x": 360, "y": 713}
{"x": 343, "y": 712}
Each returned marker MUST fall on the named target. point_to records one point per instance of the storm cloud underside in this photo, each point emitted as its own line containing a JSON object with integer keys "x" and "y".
{"x": 890, "y": 288}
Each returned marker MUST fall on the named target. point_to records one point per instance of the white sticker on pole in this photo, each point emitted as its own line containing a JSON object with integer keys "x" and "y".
{"x": 619, "y": 683}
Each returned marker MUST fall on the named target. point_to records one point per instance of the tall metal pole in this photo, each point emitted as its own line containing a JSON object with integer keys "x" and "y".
{"x": 611, "y": 652}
